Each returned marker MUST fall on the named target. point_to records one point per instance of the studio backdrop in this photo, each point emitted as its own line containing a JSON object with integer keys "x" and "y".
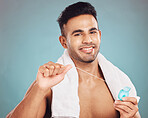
{"x": 29, "y": 36}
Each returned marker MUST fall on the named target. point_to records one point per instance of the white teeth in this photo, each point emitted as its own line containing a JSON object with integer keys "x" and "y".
{"x": 87, "y": 48}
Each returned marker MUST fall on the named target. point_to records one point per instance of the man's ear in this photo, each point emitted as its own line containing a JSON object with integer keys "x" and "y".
{"x": 62, "y": 40}
{"x": 100, "y": 34}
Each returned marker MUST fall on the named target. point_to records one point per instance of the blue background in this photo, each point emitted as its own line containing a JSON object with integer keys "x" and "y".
{"x": 29, "y": 38}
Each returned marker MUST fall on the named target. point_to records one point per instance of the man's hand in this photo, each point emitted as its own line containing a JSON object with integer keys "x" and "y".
{"x": 50, "y": 74}
{"x": 128, "y": 108}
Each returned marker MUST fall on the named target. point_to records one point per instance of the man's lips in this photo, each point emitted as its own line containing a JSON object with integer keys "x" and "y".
{"x": 87, "y": 49}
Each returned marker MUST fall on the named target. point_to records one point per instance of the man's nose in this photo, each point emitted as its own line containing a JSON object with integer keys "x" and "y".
{"x": 87, "y": 39}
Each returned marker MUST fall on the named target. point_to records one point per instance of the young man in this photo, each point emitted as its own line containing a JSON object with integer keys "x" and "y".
{"x": 81, "y": 37}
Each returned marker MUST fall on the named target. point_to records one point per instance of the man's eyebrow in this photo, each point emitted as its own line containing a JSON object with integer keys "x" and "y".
{"x": 75, "y": 31}
{"x": 93, "y": 29}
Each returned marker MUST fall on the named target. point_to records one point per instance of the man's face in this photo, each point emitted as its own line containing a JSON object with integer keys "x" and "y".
{"x": 82, "y": 38}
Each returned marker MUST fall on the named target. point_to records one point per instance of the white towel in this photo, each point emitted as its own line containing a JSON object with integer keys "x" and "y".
{"x": 65, "y": 100}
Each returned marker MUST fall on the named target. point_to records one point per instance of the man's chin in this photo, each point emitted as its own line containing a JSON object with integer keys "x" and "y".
{"x": 86, "y": 60}
{"x": 89, "y": 61}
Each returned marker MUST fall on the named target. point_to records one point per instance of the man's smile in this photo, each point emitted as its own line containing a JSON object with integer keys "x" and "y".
{"x": 87, "y": 49}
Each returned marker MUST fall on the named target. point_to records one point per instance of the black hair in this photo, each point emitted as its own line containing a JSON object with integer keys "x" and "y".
{"x": 73, "y": 10}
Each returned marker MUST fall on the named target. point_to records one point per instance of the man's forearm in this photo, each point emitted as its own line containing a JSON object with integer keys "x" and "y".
{"x": 28, "y": 108}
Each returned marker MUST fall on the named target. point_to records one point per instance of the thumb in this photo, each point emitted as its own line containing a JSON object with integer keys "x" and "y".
{"x": 67, "y": 68}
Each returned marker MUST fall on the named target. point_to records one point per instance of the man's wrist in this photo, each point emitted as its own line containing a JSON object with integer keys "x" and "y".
{"x": 41, "y": 91}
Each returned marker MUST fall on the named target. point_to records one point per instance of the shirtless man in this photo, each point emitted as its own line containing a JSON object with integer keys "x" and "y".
{"x": 81, "y": 37}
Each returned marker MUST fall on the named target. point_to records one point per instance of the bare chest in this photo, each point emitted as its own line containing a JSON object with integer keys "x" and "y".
{"x": 96, "y": 100}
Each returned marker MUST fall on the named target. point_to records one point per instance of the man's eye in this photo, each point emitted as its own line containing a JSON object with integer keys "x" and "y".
{"x": 77, "y": 34}
{"x": 93, "y": 32}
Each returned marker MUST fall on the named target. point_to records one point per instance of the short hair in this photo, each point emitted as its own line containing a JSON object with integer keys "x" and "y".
{"x": 73, "y": 10}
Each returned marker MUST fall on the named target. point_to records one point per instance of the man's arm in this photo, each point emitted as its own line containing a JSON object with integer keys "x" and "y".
{"x": 33, "y": 105}
{"x": 45, "y": 107}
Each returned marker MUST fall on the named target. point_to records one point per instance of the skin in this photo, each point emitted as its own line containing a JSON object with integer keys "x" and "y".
{"x": 128, "y": 108}
{"x": 82, "y": 40}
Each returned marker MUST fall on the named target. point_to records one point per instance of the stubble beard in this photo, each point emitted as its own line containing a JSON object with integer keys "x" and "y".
{"x": 75, "y": 56}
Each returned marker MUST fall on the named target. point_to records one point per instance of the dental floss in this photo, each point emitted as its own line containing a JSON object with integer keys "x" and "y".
{"x": 124, "y": 92}
{"x": 90, "y": 74}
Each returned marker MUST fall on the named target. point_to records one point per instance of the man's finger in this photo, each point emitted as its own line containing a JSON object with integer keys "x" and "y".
{"x": 46, "y": 72}
{"x": 61, "y": 69}
{"x": 128, "y": 104}
{"x": 67, "y": 68}
{"x": 123, "y": 107}
{"x": 130, "y": 99}
{"x": 51, "y": 69}
{"x": 41, "y": 69}
{"x": 122, "y": 112}
{"x": 56, "y": 69}
{"x": 46, "y": 65}
{"x": 50, "y": 62}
